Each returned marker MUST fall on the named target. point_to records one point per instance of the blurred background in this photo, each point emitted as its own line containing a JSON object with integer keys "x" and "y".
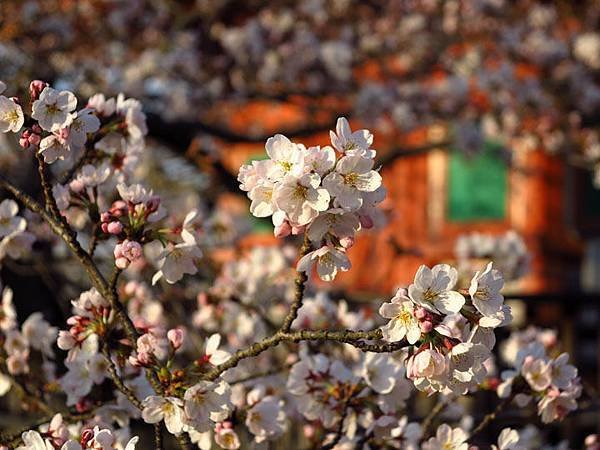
{"x": 486, "y": 116}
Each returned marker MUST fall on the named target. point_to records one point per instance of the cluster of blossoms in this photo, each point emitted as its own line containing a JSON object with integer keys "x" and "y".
{"x": 551, "y": 382}
{"x": 329, "y": 193}
{"x": 58, "y": 435}
{"x": 451, "y": 335}
{"x": 109, "y": 133}
{"x": 35, "y": 335}
{"x": 367, "y": 395}
{"x": 508, "y": 252}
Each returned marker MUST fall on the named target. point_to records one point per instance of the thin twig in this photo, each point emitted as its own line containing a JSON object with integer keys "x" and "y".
{"x": 491, "y": 416}
{"x": 435, "y": 411}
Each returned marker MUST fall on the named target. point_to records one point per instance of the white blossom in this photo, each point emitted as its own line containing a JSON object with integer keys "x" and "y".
{"x": 11, "y": 116}
{"x": 301, "y": 198}
{"x": 485, "y": 291}
{"x": 169, "y": 409}
{"x": 432, "y": 289}
{"x": 447, "y": 438}
{"x": 353, "y": 175}
{"x": 9, "y": 221}
{"x": 205, "y": 401}
{"x": 53, "y": 109}
{"x": 52, "y": 148}
{"x": 403, "y": 323}
{"x": 345, "y": 140}
{"x": 329, "y": 261}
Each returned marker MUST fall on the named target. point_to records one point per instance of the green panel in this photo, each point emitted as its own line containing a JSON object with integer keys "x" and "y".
{"x": 261, "y": 225}
{"x": 477, "y": 185}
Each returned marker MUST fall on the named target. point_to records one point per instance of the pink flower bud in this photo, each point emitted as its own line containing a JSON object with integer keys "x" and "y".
{"x": 420, "y": 313}
{"x": 153, "y": 203}
{"x": 176, "y": 337}
{"x": 309, "y": 431}
{"x": 35, "y": 88}
{"x": 426, "y": 326}
{"x": 86, "y": 436}
{"x": 36, "y": 129}
{"x": 114, "y": 227}
{"x": 83, "y": 405}
{"x": 282, "y": 230}
{"x": 104, "y": 227}
{"x": 105, "y": 217}
{"x": 298, "y": 229}
{"x": 64, "y": 133}
{"x": 77, "y": 185}
{"x": 122, "y": 263}
{"x": 347, "y": 241}
{"x": 202, "y": 298}
{"x": 366, "y": 221}
{"x": 118, "y": 207}
{"x": 24, "y": 142}
{"x": 35, "y": 139}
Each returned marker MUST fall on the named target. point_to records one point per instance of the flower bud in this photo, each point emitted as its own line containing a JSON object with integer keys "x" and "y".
{"x": 347, "y": 241}
{"x": 153, "y": 203}
{"x": 114, "y": 227}
{"x": 176, "y": 337}
{"x": 282, "y": 230}
{"x": 420, "y": 313}
{"x": 77, "y": 185}
{"x": 35, "y": 139}
{"x": 366, "y": 221}
{"x": 35, "y": 88}
{"x": 24, "y": 142}
{"x": 426, "y": 326}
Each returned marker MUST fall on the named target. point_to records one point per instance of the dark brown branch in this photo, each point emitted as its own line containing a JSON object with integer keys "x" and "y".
{"x": 355, "y": 338}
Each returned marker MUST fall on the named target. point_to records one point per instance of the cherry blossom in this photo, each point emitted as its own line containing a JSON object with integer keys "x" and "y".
{"x": 53, "y": 109}
{"x": 485, "y": 291}
{"x": 403, "y": 323}
{"x": 432, "y": 289}
{"x": 169, "y": 409}
{"x": 11, "y": 116}
{"x": 447, "y": 438}
{"x": 329, "y": 261}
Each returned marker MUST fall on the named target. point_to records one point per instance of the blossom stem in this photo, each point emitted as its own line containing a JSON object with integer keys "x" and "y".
{"x": 435, "y": 411}
{"x": 158, "y": 439}
{"x": 120, "y": 385}
{"x": 340, "y": 428}
{"x": 301, "y": 279}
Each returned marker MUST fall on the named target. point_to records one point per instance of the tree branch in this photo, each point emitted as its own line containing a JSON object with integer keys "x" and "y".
{"x": 355, "y": 338}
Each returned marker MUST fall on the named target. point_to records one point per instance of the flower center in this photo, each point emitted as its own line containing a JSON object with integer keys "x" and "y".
{"x": 300, "y": 192}
{"x": 483, "y": 293}
{"x": 285, "y": 165}
{"x": 429, "y": 295}
{"x": 405, "y": 317}
{"x": 10, "y": 116}
{"x": 351, "y": 179}
{"x": 52, "y": 109}
{"x": 349, "y": 145}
